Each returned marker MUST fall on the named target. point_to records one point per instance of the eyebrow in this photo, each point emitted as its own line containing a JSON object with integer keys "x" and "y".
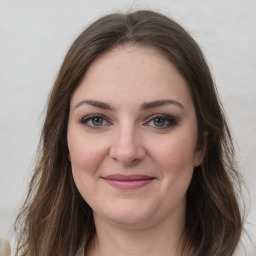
{"x": 160, "y": 103}
{"x": 144, "y": 106}
{"x": 94, "y": 103}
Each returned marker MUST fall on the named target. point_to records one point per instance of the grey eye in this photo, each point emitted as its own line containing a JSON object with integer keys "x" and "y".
{"x": 159, "y": 121}
{"x": 162, "y": 122}
{"x": 97, "y": 121}
{"x": 94, "y": 121}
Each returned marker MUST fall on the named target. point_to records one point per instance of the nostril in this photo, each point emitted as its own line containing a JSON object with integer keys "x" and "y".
{"x": 127, "y": 146}
{"x": 127, "y": 154}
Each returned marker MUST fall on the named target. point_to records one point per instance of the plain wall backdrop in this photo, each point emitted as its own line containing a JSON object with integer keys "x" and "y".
{"x": 34, "y": 37}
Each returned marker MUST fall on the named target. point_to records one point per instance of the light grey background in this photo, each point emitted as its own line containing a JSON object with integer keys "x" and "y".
{"x": 34, "y": 37}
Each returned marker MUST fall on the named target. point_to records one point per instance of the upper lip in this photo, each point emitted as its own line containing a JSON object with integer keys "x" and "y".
{"x": 123, "y": 177}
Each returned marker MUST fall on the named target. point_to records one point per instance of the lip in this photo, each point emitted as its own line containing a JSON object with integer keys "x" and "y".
{"x": 128, "y": 181}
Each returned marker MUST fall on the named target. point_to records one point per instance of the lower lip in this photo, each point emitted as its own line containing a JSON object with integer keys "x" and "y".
{"x": 128, "y": 184}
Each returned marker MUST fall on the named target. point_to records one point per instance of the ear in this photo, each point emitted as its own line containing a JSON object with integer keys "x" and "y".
{"x": 200, "y": 151}
{"x": 69, "y": 157}
{"x": 198, "y": 157}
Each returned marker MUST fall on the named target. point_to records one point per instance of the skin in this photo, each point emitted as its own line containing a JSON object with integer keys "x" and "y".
{"x": 130, "y": 138}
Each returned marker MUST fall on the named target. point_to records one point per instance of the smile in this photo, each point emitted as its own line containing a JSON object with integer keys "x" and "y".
{"x": 128, "y": 181}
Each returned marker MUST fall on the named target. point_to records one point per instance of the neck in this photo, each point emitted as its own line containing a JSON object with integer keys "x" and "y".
{"x": 164, "y": 239}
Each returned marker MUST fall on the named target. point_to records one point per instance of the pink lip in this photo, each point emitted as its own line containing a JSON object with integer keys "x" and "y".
{"x": 128, "y": 181}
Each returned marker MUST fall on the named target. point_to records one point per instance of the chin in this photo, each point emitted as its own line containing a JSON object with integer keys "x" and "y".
{"x": 127, "y": 213}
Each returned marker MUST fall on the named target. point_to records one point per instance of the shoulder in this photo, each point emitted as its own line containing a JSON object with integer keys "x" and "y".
{"x": 5, "y": 248}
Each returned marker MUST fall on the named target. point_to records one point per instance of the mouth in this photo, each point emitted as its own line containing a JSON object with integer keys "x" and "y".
{"x": 121, "y": 181}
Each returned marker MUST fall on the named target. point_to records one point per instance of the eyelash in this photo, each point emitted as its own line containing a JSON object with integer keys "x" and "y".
{"x": 171, "y": 121}
{"x": 87, "y": 119}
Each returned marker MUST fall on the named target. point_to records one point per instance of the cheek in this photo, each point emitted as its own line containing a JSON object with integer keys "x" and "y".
{"x": 175, "y": 159}
{"x": 177, "y": 153}
{"x": 85, "y": 153}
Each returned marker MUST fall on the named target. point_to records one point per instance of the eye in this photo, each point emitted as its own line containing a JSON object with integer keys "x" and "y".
{"x": 162, "y": 122}
{"x": 95, "y": 121}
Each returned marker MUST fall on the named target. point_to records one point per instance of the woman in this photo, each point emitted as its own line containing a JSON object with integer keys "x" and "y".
{"x": 136, "y": 155}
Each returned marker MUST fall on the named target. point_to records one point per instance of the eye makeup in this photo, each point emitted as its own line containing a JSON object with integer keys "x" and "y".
{"x": 95, "y": 121}
{"x": 162, "y": 121}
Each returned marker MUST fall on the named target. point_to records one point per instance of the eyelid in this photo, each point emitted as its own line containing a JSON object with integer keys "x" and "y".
{"x": 89, "y": 117}
{"x": 172, "y": 121}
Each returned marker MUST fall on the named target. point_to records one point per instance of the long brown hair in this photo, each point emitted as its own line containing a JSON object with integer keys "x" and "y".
{"x": 55, "y": 220}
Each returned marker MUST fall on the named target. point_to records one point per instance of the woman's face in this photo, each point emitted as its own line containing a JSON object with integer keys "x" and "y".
{"x": 132, "y": 137}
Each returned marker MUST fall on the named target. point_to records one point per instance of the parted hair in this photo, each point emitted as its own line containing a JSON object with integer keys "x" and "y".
{"x": 55, "y": 220}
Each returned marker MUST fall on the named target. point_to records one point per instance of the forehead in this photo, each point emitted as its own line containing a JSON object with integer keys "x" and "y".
{"x": 132, "y": 72}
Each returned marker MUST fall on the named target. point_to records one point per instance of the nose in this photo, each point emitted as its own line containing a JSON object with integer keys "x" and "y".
{"x": 127, "y": 146}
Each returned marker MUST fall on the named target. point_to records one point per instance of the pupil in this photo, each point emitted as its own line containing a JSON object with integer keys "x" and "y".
{"x": 97, "y": 121}
{"x": 159, "y": 122}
